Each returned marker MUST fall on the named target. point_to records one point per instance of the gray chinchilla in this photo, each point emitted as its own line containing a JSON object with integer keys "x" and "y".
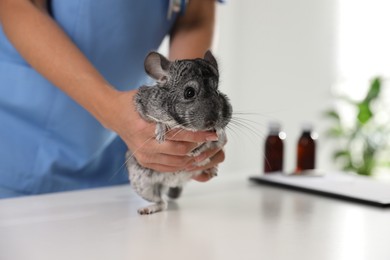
{"x": 185, "y": 96}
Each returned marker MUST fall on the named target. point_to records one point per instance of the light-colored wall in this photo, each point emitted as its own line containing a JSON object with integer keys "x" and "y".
{"x": 277, "y": 62}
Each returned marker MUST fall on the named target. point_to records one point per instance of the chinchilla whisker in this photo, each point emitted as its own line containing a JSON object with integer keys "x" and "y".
{"x": 249, "y": 134}
{"x": 132, "y": 154}
{"x": 246, "y": 120}
{"x": 239, "y": 129}
{"x": 252, "y": 114}
{"x": 240, "y": 137}
{"x": 247, "y": 113}
{"x": 242, "y": 124}
{"x": 232, "y": 130}
{"x": 178, "y": 127}
{"x": 265, "y": 158}
{"x": 265, "y": 114}
{"x": 247, "y": 128}
{"x": 242, "y": 116}
{"x": 178, "y": 132}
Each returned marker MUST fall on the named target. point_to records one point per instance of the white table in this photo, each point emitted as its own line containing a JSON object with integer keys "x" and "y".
{"x": 227, "y": 218}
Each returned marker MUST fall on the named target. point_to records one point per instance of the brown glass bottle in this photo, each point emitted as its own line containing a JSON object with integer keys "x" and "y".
{"x": 306, "y": 150}
{"x": 274, "y": 149}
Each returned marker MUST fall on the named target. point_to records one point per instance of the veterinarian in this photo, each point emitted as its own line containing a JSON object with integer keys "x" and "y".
{"x": 68, "y": 74}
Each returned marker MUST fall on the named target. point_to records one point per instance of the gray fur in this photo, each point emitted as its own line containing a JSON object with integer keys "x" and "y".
{"x": 185, "y": 96}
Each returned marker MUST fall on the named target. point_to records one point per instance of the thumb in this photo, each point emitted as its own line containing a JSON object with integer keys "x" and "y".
{"x": 204, "y": 176}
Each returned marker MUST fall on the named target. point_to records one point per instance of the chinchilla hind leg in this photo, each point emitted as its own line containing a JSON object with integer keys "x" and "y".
{"x": 154, "y": 195}
{"x": 174, "y": 192}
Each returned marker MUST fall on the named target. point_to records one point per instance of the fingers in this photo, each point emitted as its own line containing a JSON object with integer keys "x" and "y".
{"x": 203, "y": 177}
{"x": 178, "y": 148}
{"x": 169, "y": 156}
{"x": 209, "y": 168}
{"x": 177, "y": 141}
{"x": 188, "y": 136}
{"x": 171, "y": 163}
{"x": 173, "y": 154}
{"x": 216, "y": 156}
{"x": 160, "y": 167}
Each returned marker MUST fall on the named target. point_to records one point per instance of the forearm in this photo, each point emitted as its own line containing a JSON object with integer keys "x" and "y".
{"x": 193, "y": 33}
{"x": 50, "y": 51}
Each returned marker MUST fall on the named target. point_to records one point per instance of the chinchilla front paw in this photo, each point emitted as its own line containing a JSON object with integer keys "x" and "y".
{"x": 213, "y": 172}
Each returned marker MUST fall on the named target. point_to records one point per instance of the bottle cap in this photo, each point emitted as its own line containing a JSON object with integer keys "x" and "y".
{"x": 274, "y": 127}
{"x": 307, "y": 127}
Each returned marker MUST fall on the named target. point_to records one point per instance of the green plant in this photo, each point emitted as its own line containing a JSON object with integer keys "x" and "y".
{"x": 361, "y": 143}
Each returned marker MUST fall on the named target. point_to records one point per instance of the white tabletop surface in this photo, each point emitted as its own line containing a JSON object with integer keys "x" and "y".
{"x": 227, "y": 218}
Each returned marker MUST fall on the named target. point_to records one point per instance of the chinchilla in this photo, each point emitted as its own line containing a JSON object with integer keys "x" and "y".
{"x": 186, "y": 96}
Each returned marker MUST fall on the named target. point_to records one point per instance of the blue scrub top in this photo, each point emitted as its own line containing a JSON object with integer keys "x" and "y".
{"x": 47, "y": 141}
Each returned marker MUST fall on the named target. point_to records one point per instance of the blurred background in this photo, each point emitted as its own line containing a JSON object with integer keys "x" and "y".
{"x": 286, "y": 61}
{"x": 290, "y": 62}
{"x": 278, "y": 62}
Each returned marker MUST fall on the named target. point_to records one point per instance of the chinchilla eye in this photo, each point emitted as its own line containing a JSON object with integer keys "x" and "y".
{"x": 189, "y": 92}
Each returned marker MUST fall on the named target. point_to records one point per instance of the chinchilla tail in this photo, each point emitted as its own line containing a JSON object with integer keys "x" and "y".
{"x": 174, "y": 193}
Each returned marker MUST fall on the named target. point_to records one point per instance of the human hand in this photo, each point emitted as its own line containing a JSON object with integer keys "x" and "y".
{"x": 170, "y": 156}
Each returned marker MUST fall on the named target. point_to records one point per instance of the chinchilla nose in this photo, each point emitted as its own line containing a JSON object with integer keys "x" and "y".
{"x": 209, "y": 124}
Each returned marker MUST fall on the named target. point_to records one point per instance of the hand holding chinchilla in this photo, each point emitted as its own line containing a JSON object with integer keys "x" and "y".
{"x": 185, "y": 97}
{"x": 169, "y": 156}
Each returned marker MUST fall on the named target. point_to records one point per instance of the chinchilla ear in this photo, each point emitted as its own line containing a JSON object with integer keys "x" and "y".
{"x": 156, "y": 65}
{"x": 208, "y": 56}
